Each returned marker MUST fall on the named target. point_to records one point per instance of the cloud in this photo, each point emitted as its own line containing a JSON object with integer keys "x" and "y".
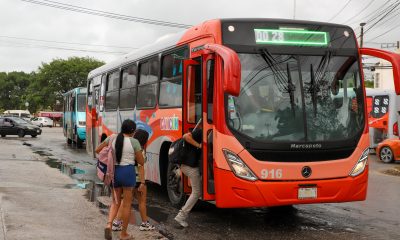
{"x": 26, "y": 20}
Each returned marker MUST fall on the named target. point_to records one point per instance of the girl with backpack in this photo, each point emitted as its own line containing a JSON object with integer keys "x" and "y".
{"x": 128, "y": 151}
{"x": 140, "y": 190}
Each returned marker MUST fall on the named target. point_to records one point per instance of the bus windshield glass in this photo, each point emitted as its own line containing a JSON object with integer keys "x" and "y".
{"x": 297, "y": 98}
{"x": 81, "y": 103}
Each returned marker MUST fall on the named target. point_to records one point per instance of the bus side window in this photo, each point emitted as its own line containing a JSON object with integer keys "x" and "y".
{"x": 127, "y": 96}
{"x": 112, "y": 91}
{"x": 147, "y": 90}
{"x": 171, "y": 79}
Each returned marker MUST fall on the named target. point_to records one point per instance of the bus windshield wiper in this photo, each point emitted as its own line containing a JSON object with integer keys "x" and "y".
{"x": 313, "y": 90}
{"x": 290, "y": 89}
{"x": 282, "y": 84}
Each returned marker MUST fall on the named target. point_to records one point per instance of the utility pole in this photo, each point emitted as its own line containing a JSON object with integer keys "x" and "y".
{"x": 294, "y": 9}
{"x": 362, "y": 34}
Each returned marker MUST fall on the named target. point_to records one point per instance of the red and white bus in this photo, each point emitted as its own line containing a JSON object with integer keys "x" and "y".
{"x": 282, "y": 103}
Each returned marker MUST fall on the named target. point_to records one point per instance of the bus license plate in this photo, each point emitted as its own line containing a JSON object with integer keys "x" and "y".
{"x": 307, "y": 193}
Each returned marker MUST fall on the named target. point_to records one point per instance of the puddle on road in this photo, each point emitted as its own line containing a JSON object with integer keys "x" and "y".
{"x": 393, "y": 171}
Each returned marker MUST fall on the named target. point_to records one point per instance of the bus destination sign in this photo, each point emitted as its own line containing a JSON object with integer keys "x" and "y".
{"x": 291, "y": 37}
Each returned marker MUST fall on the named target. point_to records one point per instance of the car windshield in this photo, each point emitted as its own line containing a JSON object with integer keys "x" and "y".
{"x": 18, "y": 120}
{"x": 287, "y": 98}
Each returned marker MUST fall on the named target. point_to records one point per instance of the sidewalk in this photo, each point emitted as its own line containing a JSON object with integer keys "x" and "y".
{"x": 36, "y": 201}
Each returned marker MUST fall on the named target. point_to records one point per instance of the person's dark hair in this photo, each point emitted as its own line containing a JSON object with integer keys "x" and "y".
{"x": 128, "y": 127}
{"x": 142, "y": 136}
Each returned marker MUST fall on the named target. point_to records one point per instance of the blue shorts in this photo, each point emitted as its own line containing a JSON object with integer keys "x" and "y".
{"x": 124, "y": 176}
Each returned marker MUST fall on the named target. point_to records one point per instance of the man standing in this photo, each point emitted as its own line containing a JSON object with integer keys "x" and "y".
{"x": 190, "y": 167}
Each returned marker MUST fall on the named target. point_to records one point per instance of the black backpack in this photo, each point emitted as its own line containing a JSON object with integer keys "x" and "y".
{"x": 177, "y": 151}
{"x": 181, "y": 152}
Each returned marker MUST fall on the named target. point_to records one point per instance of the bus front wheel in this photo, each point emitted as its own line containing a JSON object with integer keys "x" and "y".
{"x": 175, "y": 185}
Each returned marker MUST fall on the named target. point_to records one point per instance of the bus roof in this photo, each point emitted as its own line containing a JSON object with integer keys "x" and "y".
{"x": 164, "y": 43}
{"x": 77, "y": 90}
{"x": 173, "y": 40}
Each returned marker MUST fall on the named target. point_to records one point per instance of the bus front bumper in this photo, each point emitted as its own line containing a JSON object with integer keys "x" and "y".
{"x": 233, "y": 192}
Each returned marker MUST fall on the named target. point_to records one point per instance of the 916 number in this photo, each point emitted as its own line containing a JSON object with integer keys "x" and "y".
{"x": 271, "y": 174}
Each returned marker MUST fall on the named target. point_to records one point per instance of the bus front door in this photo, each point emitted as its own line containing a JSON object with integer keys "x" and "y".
{"x": 95, "y": 117}
{"x": 198, "y": 107}
{"x": 192, "y": 102}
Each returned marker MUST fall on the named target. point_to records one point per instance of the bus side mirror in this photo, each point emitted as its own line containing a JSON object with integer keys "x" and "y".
{"x": 232, "y": 68}
{"x": 392, "y": 57}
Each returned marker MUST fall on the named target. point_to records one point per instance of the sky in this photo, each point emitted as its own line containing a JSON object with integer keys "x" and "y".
{"x": 65, "y": 34}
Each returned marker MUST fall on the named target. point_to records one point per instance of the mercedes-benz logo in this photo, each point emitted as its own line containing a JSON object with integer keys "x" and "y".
{"x": 306, "y": 171}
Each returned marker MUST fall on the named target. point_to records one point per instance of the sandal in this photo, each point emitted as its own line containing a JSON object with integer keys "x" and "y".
{"x": 129, "y": 237}
{"x": 107, "y": 233}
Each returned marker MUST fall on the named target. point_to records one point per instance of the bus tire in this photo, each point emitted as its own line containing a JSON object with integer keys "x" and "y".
{"x": 175, "y": 191}
{"x": 79, "y": 142}
{"x": 3, "y": 135}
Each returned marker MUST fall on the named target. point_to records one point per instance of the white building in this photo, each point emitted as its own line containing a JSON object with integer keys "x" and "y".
{"x": 383, "y": 75}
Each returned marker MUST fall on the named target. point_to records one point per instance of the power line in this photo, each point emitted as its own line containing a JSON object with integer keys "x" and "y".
{"x": 384, "y": 16}
{"x": 74, "y": 8}
{"x": 371, "y": 14}
{"x": 24, "y": 45}
{"x": 71, "y": 43}
{"x": 345, "y": 5}
{"x": 366, "y": 6}
{"x": 391, "y": 29}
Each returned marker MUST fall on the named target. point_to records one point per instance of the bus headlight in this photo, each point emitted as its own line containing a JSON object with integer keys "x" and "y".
{"x": 238, "y": 167}
{"x": 361, "y": 163}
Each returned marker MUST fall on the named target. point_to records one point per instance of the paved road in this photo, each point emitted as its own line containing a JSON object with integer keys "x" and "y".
{"x": 376, "y": 218}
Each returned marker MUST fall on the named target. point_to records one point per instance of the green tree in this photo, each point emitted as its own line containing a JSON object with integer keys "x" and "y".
{"x": 57, "y": 77}
{"x": 369, "y": 84}
{"x": 13, "y": 94}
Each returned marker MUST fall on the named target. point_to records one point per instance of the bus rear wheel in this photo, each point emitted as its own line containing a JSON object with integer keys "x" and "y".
{"x": 175, "y": 191}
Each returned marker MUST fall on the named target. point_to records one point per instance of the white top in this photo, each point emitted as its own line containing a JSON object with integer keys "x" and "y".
{"x": 128, "y": 151}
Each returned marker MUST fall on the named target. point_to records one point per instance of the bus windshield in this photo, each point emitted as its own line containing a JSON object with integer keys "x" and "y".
{"x": 81, "y": 103}
{"x": 297, "y": 98}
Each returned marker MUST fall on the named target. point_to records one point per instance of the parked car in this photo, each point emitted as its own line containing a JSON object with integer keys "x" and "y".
{"x": 389, "y": 150}
{"x": 42, "y": 121}
{"x": 17, "y": 126}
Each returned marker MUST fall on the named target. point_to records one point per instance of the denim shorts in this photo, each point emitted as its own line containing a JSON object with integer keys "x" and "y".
{"x": 124, "y": 176}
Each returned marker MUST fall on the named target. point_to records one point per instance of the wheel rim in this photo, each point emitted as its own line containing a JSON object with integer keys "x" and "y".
{"x": 386, "y": 154}
{"x": 174, "y": 181}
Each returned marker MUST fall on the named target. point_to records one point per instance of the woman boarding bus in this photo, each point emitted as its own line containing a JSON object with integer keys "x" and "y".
{"x": 275, "y": 130}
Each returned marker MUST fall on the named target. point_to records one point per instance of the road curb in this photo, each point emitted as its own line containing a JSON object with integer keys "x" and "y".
{"x": 3, "y": 224}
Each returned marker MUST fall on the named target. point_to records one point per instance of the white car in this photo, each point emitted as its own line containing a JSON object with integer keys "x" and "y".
{"x": 42, "y": 121}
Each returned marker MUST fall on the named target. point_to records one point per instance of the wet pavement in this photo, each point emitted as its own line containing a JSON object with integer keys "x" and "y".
{"x": 376, "y": 218}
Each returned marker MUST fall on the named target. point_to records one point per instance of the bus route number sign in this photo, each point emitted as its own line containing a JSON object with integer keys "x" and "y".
{"x": 291, "y": 37}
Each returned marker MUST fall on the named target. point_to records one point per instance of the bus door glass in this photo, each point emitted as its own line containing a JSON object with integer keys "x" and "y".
{"x": 96, "y": 111}
{"x": 192, "y": 102}
{"x": 208, "y": 122}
